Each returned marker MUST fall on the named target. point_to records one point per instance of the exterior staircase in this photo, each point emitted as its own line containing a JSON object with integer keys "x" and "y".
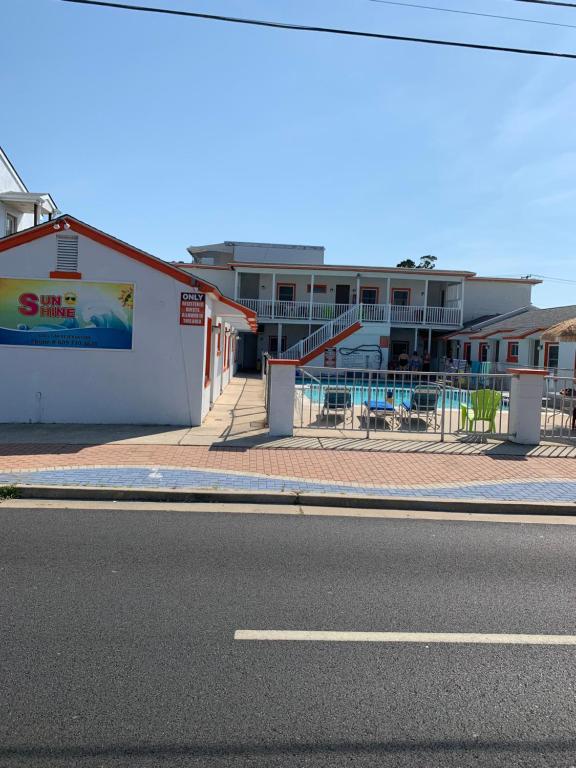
{"x": 328, "y": 335}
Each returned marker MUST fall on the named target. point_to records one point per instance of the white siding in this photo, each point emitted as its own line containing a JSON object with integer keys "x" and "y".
{"x": 491, "y": 297}
{"x": 159, "y": 381}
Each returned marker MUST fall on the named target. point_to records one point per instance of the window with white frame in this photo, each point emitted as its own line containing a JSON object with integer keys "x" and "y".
{"x": 11, "y": 224}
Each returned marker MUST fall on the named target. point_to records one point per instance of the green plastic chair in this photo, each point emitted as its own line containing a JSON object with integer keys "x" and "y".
{"x": 484, "y": 405}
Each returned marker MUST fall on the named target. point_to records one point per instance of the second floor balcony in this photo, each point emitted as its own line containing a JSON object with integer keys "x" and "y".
{"x": 323, "y": 312}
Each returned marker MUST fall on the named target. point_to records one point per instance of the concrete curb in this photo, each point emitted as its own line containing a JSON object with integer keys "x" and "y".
{"x": 290, "y": 498}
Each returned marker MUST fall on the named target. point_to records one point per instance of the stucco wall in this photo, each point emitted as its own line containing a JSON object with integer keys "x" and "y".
{"x": 485, "y": 297}
{"x": 159, "y": 381}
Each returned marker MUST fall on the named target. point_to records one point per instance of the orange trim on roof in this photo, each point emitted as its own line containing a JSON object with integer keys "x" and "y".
{"x": 525, "y": 334}
{"x": 492, "y": 333}
{"x": 529, "y": 281}
{"x": 57, "y": 225}
{"x": 238, "y": 265}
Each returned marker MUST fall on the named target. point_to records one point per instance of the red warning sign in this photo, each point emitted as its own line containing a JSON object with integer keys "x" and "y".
{"x": 330, "y": 358}
{"x": 192, "y": 308}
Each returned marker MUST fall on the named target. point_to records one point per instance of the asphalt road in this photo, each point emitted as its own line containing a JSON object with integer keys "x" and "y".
{"x": 117, "y": 649}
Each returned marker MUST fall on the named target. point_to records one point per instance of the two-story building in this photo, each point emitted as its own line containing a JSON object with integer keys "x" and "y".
{"x": 370, "y": 315}
{"x": 19, "y": 208}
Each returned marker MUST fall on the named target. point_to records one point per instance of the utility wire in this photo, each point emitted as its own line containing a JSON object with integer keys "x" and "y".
{"x": 548, "y": 2}
{"x": 474, "y": 13}
{"x": 326, "y": 30}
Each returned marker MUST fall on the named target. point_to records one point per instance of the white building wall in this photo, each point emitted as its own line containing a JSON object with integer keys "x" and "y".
{"x": 159, "y": 381}
{"x": 223, "y": 279}
{"x": 566, "y": 358}
{"x": 491, "y": 297}
{"x": 278, "y": 254}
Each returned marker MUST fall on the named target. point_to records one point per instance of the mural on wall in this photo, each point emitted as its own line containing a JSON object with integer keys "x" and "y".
{"x": 66, "y": 313}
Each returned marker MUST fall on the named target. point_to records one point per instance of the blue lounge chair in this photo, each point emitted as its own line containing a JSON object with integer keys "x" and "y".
{"x": 378, "y": 408}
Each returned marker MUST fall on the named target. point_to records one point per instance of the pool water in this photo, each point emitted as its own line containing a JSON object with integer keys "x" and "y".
{"x": 454, "y": 397}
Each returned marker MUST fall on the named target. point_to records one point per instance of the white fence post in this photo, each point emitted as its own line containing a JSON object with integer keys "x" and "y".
{"x": 525, "y": 414}
{"x": 282, "y": 375}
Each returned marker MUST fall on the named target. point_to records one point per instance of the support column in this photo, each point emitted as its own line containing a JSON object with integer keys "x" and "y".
{"x": 311, "y": 299}
{"x": 462, "y": 284}
{"x": 358, "y": 289}
{"x": 415, "y": 339}
{"x": 429, "y": 340}
{"x": 424, "y": 318}
{"x": 36, "y": 214}
{"x": 525, "y": 409}
{"x": 282, "y": 375}
{"x": 236, "y": 277}
{"x": 273, "y": 295}
{"x": 279, "y": 340}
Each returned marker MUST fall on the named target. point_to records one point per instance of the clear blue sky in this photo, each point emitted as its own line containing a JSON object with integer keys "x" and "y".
{"x": 168, "y": 132}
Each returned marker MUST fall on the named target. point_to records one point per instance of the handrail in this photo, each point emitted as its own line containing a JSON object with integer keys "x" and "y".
{"x": 371, "y": 313}
{"x": 323, "y": 334}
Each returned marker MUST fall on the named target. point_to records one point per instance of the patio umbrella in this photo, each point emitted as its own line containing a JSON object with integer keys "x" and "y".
{"x": 564, "y": 331}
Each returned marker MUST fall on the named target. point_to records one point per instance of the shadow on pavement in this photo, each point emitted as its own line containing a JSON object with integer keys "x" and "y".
{"x": 199, "y": 749}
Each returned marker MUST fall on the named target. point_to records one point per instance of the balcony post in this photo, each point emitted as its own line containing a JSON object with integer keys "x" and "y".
{"x": 273, "y": 295}
{"x": 462, "y": 301}
{"x": 358, "y": 288}
{"x": 279, "y": 340}
{"x": 311, "y": 298}
{"x": 425, "y": 318}
{"x": 235, "y": 285}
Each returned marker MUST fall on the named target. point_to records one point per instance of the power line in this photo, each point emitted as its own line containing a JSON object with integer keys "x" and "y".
{"x": 325, "y": 30}
{"x": 548, "y": 2}
{"x": 474, "y": 13}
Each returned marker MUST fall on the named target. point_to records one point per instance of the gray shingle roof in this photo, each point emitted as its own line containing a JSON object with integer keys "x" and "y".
{"x": 531, "y": 317}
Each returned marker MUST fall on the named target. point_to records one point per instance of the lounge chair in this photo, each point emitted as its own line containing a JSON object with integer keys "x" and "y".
{"x": 337, "y": 400}
{"x": 380, "y": 409}
{"x": 484, "y": 405}
{"x": 423, "y": 403}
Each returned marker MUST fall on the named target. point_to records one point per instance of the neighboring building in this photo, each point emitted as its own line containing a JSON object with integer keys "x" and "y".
{"x": 370, "y": 315}
{"x": 515, "y": 339}
{"x": 19, "y": 208}
{"x": 93, "y": 330}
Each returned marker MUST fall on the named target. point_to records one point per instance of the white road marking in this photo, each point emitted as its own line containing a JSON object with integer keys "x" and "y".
{"x": 402, "y": 637}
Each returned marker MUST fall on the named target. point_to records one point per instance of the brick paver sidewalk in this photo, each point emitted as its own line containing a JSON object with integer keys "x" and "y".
{"x": 351, "y": 467}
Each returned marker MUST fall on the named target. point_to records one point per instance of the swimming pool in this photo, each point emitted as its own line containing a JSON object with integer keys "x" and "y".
{"x": 454, "y": 397}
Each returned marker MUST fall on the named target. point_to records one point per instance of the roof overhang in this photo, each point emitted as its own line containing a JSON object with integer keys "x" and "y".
{"x": 238, "y": 316}
{"x": 25, "y": 202}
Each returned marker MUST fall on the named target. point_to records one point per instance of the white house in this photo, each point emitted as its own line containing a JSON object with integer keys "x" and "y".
{"x": 93, "y": 330}
{"x": 515, "y": 338}
{"x": 19, "y": 208}
{"x": 347, "y": 315}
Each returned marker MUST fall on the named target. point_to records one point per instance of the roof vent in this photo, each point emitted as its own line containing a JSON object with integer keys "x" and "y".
{"x": 67, "y": 253}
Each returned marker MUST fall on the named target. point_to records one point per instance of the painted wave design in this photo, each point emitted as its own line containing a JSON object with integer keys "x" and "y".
{"x": 80, "y": 338}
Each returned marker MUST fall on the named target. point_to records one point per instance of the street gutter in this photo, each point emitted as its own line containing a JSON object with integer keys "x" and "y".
{"x": 291, "y": 498}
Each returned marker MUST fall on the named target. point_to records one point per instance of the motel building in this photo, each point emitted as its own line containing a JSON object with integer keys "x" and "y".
{"x": 347, "y": 316}
{"x": 93, "y": 330}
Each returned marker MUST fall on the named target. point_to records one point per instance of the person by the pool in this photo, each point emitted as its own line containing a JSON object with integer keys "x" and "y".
{"x": 415, "y": 362}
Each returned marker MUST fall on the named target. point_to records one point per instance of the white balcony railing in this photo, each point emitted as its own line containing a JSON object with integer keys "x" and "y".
{"x": 323, "y": 312}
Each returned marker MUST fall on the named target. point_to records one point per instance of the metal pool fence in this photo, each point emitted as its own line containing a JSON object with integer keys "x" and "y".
{"x": 559, "y": 408}
{"x": 379, "y": 402}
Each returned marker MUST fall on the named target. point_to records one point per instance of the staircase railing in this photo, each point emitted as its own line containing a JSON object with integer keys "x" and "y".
{"x": 323, "y": 334}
